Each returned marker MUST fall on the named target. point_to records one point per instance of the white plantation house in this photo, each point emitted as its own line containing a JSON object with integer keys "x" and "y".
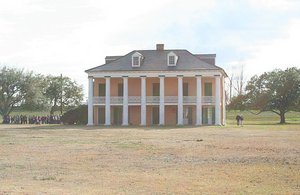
{"x": 157, "y": 87}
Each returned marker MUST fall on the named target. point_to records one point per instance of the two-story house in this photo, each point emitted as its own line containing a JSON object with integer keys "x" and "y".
{"x": 157, "y": 87}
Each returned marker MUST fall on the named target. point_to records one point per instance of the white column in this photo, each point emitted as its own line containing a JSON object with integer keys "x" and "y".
{"x": 218, "y": 101}
{"x": 180, "y": 102}
{"x": 223, "y": 101}
{"x": 90, "y": 102}
{"x": 107, "y": 101}
{"x": 125, "y": 101}
{"x": 199, "y": 101}
{"x": 161, "y": 100}
{"x": 143, "y": 101}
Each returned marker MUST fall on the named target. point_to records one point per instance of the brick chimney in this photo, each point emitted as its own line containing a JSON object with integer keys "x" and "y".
{"x": 159, "y": 47}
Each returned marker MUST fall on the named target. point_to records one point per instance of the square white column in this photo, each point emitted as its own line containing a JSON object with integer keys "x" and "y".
{"x": 223, "y": 101}
{"x": 161, "y": 100}
{"x": 107, "y": 101}
{"x": 180, "y": 101}
{"x": 143, "y": 101}
{"x": 199, "y": 101}
{"x": 218, "y": 101}
{"x": 125, "y": 101}
{"x": 90, "y": 102}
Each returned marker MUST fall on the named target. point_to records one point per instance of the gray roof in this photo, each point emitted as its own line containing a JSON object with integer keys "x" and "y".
{"x": 156, "y": 60}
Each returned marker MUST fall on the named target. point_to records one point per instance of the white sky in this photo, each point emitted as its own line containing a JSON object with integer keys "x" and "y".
{"x": 70, "y": 36}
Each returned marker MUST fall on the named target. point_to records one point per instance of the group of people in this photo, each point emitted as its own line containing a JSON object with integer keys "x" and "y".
{"x": 23, "y": 119}
{"x": 239, "y": 120}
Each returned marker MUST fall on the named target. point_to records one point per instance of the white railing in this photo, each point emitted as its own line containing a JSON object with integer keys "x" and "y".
{"x": 208, "y": 99}
{"x": 98, "y": 100}
{"x": 189, "y": 99}
{"x": 171, "y": 99}
{"x": 152, "y": 99}
{"x": 134, "y": 99}
{"x": 116, "y": 100}
{"x": 155, "y": 100}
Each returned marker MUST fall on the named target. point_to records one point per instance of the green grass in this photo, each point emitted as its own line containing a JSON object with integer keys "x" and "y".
{"x": 264, "y": 118}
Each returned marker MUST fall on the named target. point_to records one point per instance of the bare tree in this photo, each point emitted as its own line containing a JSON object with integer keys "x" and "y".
{"x": 236, "y": 82}
{"x": 240, "y": 82}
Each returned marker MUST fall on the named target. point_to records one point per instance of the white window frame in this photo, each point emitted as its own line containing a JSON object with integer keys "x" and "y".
{"x": 169, "y": 58}
{"x": 134, "y": 60}
{"x": 136, "y": 55}
{"x": 172, "y": 54}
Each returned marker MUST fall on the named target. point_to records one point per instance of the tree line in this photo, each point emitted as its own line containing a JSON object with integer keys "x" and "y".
{"x": 277, "y": 91}
{"x": 28, "y": 90}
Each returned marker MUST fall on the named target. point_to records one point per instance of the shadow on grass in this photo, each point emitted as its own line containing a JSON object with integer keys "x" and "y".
{"x": 276, "y": 124}
{"x": 144, "y": 128}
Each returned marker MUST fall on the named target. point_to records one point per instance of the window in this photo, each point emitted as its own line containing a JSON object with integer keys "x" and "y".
{"x": 101, "y": 89}
{"x": 171, "y": 60}
{"x": 207, "y": 89}
{"x": 120, "y": 89}
{"x": 185, "y": 89}
{"x": 136, "y": 61}
{"x": 155, "y": 89}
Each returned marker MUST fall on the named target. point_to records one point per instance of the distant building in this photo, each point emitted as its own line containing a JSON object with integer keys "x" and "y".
{"x": 157, "y": 87}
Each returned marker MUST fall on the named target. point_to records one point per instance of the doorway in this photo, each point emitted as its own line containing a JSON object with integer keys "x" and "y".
{"x": 155, "y": 115}
{"x": 187, "y": 116}
{"x": 101, "y": 115}
{"x": 117, "y": 115}
{"x": 208, "y": 115}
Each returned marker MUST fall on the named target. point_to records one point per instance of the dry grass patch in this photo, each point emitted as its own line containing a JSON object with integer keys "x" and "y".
{"x": 91, "y": 160}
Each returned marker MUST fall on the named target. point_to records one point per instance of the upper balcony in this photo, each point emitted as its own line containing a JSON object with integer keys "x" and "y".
{"x": 154, "y": 100}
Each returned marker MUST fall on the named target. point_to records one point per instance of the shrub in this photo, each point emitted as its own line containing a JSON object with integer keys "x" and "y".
{"x": 77, "y": 116}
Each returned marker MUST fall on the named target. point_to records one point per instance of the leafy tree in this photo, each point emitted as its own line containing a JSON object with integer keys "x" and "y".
{"x": 238, "y": 103}
{"x": 62, "y": 91}
{"x": 277, "y": 91}
{"x": 15, "y": 87}
{"x": 36, "y": 100}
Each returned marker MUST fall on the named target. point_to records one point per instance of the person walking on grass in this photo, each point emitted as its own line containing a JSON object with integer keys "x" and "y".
{"x": 238, "y": 118}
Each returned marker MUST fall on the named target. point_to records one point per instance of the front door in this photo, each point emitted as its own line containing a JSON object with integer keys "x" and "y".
{"x": 117, "y": 114}
{"x": 101, "y": 115}
{"x": 155, "y": 115}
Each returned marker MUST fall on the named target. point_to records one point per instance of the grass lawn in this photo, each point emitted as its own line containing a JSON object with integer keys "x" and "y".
{"x": 259, "y": 158}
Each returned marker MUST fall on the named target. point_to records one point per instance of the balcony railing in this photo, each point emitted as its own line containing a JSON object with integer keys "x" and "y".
{"x": 154, "y": 100}
{"x": 208, "y": 99}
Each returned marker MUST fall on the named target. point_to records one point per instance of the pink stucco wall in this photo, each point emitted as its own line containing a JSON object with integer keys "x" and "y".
{"x": 134, "y": 86}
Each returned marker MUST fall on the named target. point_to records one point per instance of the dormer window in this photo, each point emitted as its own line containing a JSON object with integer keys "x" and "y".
{"x": 136, "y": 59}
{"x": 172, "y": 59}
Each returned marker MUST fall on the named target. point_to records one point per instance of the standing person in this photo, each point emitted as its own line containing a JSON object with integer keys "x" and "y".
{"x": 241, "y": 120}
{"x": 238, "y": 118}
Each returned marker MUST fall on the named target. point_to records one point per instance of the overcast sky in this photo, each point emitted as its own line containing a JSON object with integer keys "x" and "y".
{"x": 70, "y": 36}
